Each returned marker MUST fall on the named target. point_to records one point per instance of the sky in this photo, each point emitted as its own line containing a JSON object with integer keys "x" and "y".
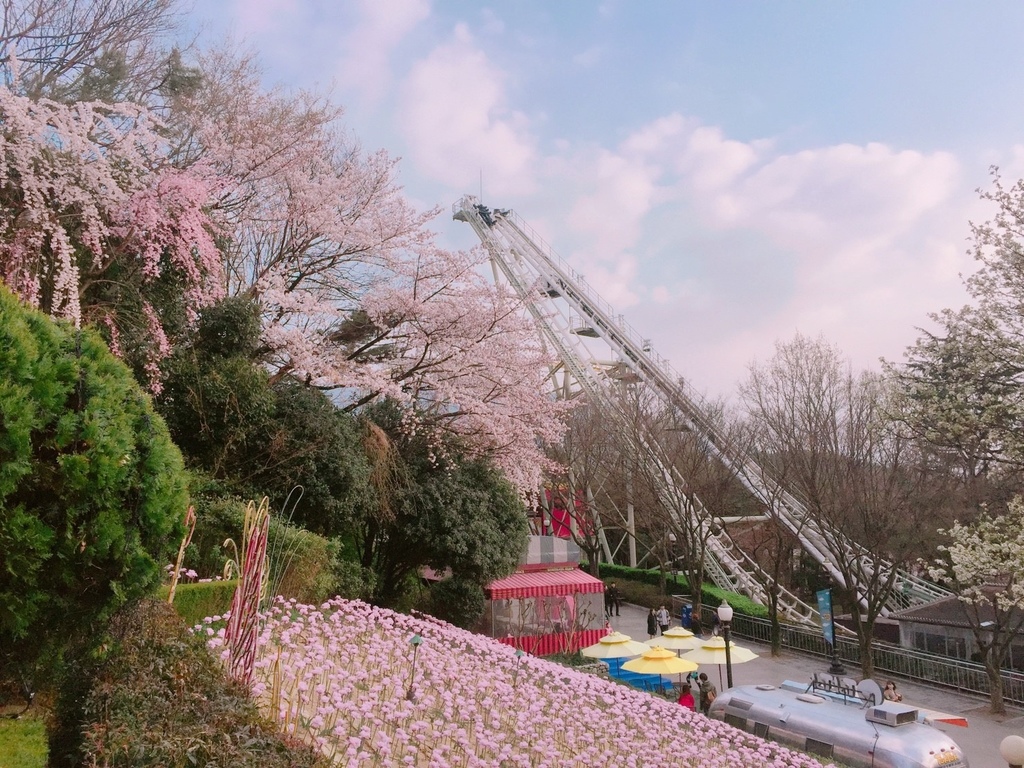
{"x": 725, "y": 174}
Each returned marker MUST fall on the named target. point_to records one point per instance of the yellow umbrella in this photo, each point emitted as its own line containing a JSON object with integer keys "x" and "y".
{"x": 614, "y": 646}
{"x": 677, "y": 632}
{"x": 660, "y": 661}
{"x": 713, "y": 652}
{"x": 676, "y": 639}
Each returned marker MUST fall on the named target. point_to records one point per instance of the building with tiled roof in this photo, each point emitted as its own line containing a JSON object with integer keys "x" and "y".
{"x": 946, "y": 627}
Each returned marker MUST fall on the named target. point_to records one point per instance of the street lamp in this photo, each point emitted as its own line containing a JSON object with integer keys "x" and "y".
{"x": 515, "y": 673}
{"x": 415, "y": 641}
{"x": 725, "y": 617}
{"x": 1012, "y": 750}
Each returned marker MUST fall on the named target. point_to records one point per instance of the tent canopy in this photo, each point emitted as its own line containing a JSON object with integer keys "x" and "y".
{"x": 543, "y": 584}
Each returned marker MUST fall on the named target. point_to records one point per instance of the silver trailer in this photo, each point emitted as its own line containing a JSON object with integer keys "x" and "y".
{"x": 849, "y": 730}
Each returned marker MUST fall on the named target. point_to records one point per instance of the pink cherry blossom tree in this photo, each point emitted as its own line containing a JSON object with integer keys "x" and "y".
{"x": 95, "y": 221}
{"x": 355, "y": 295}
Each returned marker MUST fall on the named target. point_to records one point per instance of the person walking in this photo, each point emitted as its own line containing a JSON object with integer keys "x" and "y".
{"x": 708, "y": 693}
{"x": 664, "y": 619}
{"x": 652, "y": 624}
{"x": 615, "y": 597}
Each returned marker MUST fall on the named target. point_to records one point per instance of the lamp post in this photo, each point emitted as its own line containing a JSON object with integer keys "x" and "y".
{"x": 515, "y": 673}
{"x": 725, "y": 617}
{"x": 1012, "y": 750}
{"x": 415, "y": 641}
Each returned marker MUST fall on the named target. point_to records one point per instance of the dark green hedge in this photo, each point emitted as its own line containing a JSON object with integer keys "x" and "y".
{"x": 194, "y": 602}
{"x": 159, "y": 698}
{"x": 711, "y": 596}
{"x": 302, "y": 564}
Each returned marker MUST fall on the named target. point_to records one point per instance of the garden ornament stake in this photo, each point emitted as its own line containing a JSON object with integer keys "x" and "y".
{"x": 515, "y": 673}
{"x": 415, "y": 641}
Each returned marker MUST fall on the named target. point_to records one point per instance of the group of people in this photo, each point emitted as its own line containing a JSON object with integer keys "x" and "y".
{"x": 706, "y": 692}
{"x": 657, "y": 620}
{"x": 612, "y": 601}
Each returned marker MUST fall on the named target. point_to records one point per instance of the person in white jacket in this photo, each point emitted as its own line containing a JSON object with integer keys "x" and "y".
{"x": 664, "y": 619}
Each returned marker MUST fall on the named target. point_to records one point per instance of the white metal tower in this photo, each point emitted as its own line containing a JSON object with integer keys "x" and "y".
{"x": 567, "y": 310}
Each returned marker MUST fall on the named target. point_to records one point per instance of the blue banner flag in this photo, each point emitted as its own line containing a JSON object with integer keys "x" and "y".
{"x": 825, "y": 610}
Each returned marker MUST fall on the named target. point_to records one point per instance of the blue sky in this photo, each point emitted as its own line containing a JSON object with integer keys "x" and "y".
{"x": 725, "y": 174}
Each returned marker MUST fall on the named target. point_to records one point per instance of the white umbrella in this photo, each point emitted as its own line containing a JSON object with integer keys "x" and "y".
{"x": 614, "y": 646}
{"x": 712, "y": 651}
{"x": 676, "y": 639}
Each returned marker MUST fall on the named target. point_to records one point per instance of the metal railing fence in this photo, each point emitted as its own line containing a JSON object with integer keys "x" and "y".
{"x": 909, "y": 663}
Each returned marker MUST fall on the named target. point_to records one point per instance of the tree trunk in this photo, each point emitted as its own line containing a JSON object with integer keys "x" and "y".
{"x": 696, "y": 622}
{"x": 867, "y": 661}
{"x": 995, "y": 686}
{"x": 776, "y": 626}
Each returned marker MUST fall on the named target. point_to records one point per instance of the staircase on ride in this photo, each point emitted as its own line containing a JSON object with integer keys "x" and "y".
{"x": 567, "y": 310}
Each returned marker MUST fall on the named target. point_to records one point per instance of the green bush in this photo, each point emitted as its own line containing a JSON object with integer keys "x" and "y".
{"x": 159, "y": 698}
{"x": 194, "y": 602}
{"x": 92, "y": 490}
{"x": 303, "y": 565}
{"x": 642, "y": 587}
{"x": 741, "y": 604}
{"x": 676, "y": 584}
{"x": 458, "y": 601}
{"x": 639, "y": 593}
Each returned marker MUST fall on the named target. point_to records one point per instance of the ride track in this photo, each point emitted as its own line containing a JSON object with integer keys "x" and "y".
{"x": 566, "y": 309}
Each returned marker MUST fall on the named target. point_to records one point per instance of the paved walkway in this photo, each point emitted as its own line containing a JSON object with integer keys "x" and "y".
{"x": 980, "y": 740}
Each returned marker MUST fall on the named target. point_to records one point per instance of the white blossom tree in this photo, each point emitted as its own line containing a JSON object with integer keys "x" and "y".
{"x": 983, "y": 564}
{"x": 963, "y": 383}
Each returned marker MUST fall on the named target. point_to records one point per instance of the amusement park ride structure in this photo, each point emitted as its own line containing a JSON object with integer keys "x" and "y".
{"x": 567, "y": 312}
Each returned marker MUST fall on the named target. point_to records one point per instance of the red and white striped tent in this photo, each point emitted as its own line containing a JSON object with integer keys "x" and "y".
{"x": 548, "y": 605}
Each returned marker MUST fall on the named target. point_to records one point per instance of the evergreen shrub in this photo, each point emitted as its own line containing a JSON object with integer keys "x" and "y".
{"x": 711, "y": 596}
{"x": 92, "y": 490}
{"x": 195, "y": 602}
{"x": 157, "y": 697}
{"x": 458, "y": 601}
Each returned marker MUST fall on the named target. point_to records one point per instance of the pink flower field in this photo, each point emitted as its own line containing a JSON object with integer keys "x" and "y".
{"x": 340, "y": 676}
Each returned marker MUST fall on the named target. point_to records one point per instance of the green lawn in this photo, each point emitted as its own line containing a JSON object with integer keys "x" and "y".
{"x": 22, "y": 743}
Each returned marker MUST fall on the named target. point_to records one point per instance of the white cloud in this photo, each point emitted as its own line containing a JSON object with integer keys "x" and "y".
{"x": 855, "y": 243}
{"x": 609, "y": 216}
{"x": 589, "y": 57}
{"x": 369, "y": 45}
{"x": 259, "y": 17}
{"x": 837, "y": 192}
{"x": 454, "y": 116}
{"x": 491, "y": 23}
